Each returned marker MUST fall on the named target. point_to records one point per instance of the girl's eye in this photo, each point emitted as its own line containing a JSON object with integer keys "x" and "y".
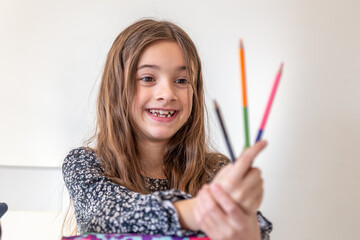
{"x": 182, "y": 81}
{"x": 147, "y": 79}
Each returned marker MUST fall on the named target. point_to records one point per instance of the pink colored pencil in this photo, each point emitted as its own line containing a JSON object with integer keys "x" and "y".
{"x": 271, "y": 98}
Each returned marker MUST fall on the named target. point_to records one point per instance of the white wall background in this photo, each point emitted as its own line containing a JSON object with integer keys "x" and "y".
{"x": 51, "y": 59}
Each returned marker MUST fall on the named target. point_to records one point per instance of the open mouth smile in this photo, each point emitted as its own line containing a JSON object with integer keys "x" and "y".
{"x": 162, "y": 113}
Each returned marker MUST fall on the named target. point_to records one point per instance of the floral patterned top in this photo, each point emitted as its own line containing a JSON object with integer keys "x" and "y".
{"x": 102, "y": 206}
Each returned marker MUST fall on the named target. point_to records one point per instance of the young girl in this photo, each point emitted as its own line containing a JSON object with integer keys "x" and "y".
{"x": 151, "y": 171}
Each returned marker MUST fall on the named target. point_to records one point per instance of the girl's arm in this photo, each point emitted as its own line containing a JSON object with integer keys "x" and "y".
{"x": 102, "y": 206}
{"x": 105, "y": 207}
{"x": 185, "y": 209}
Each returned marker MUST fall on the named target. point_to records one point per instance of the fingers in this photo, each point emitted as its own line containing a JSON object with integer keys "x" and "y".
{"x": 248, "y": 189}
{"x": 258, "y": 200}
{"x": 237, "y": 216}
{"x": 243, "y": 163}
{"x": 242, "y": 182}
{"x": 210, "y": 217}
{"x": 227, "y": 203}
{"x": 253, "y": 201}
{"x": 221, "y": 217}
{"x": 231, "y": 175}
{"x": 227, "y": 219}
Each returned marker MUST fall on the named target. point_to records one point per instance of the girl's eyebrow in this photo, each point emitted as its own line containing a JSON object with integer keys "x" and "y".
{"x": 181, "y": 68}
{"x": 149, "y": 66}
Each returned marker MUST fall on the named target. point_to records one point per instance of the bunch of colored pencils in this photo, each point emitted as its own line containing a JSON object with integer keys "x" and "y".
{"x": 245, "y": 105}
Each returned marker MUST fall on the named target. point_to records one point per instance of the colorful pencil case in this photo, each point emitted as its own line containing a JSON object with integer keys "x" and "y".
{"x": 97, "y": 236}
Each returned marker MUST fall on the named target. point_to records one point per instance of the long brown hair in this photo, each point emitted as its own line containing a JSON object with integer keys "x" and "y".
{"x": 187, "y": 163}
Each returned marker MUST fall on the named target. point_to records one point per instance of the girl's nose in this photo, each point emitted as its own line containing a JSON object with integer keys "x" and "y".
{"x": 166, "y": 91}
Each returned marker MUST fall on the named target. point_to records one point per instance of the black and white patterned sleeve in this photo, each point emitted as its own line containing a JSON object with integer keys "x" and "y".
{"x": 102, "y": 206}
{"x": 265, "y": 226}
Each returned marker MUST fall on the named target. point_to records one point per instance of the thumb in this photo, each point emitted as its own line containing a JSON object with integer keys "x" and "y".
{"x": 244, "y": 162}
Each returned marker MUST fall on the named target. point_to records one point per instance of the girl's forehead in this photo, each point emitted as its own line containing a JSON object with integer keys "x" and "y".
{"x": 162, "y": 45}
{"x": 162, "y": 54}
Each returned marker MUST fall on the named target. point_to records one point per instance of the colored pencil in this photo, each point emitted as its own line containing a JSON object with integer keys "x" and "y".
{"x": 217, "y": 109}
{"x": 245, "y": 106}
{"x": 268, "y": 106}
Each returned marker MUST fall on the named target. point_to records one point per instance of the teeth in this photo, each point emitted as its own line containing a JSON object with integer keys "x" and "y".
{"x": 161, "y": 113}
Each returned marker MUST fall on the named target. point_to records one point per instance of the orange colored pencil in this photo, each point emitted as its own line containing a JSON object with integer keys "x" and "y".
{"x": 243, "y": 81}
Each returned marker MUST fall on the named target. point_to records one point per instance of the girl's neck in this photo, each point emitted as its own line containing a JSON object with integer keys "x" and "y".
{"x": 152, "y": 155}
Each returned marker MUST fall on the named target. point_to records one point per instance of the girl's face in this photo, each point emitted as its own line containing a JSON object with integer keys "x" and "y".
{"x": 163, "y": 98}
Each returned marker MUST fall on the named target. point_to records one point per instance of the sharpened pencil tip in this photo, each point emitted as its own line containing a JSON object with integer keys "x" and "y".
{"x": 241, "y": 46}
{"x": 215, "y": 104}
{"x": 281, "y": 67}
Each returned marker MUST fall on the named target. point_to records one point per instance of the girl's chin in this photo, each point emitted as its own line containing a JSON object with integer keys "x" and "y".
{"x": 155, "y": 134}
{"x": 160, "y": 137}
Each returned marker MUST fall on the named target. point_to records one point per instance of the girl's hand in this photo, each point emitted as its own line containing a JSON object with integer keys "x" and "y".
{"x": 220, "y": 217}
{"x": 243, "y": 182}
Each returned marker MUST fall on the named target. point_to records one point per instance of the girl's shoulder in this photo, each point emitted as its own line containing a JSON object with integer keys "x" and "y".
{"x": 80, "y": 159}
{"x": 79, "y": 154}
{"x": 81, "y": 151}
{"x": 215, "y": 161}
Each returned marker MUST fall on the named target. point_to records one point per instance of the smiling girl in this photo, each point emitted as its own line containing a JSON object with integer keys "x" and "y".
{"x": 150, "y": 170}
